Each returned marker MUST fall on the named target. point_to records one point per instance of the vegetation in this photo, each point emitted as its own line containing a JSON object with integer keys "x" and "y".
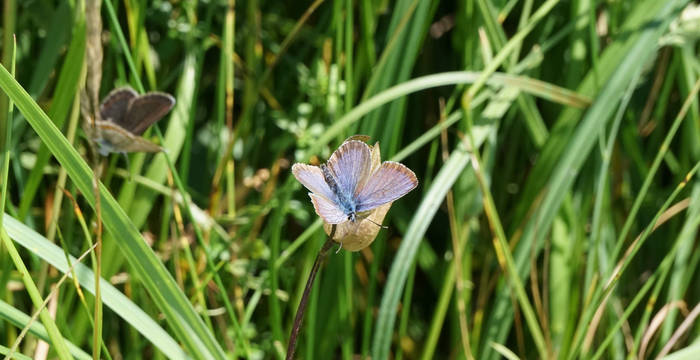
{"x": 555, "y": 142}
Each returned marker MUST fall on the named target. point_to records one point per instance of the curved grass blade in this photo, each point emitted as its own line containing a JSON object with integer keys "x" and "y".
{"x": 61, "y": 104}
{"x": 578, "y": 148}
{"x": 174, "y": 141}
{"x": 57, "y": 340}
{"x": 692, "y": 352}
{"x": 5, "y": 351}
{"x": 111, "y": 297}
{"x": 409, "y": 246}
{"x": 182, "y": 318}
{"x": 535, "y": 87}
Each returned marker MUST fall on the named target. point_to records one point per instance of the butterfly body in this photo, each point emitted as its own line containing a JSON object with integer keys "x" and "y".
{"x": 349, "y": 185}
{"x": 345, "y": 201}
{"x": 125, "y": 115}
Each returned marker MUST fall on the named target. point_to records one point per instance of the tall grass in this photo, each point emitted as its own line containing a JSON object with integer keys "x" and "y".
{"x": 556, "y": 145}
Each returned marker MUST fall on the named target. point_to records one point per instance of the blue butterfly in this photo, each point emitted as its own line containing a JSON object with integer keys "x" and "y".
{"x": 348, "y": 187}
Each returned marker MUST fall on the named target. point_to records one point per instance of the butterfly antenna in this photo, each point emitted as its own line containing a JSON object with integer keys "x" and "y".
{"x": 380, "y": 225}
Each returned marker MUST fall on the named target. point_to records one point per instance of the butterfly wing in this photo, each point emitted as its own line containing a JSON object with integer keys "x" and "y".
{"x": 312, "y": 178}
{"x": 327, "y": 210}
{"x": 116, "y": 103}
{"x": 391, "y": 181}
{"x": 112, "y": 138}
{"x": 351, "y": 165}
{"x": 139, "y": 144}
{"x": 145, "y": 110}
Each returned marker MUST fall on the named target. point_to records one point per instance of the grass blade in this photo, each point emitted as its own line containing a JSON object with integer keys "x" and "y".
{"x": 184, "y": 321}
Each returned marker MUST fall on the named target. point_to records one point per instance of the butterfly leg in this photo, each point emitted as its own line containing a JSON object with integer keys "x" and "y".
{"x": 339, "y": 247}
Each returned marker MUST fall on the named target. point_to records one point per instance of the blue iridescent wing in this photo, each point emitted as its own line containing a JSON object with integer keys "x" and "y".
{"x": 312, "y": 178}
{"x": 391, "y": 181}
{"x": 327, "y": 210}
{"x": 351, "y": 165}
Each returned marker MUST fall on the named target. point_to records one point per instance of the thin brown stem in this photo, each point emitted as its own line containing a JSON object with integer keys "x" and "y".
{"x": 299, "y": 318}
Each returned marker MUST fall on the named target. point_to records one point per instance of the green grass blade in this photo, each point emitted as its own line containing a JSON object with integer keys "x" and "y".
{"x": 386, "y": 318}
{"x": 179, "y": 313}
{"x": 174, "y": 140}
{"x": 59, "y": 31}
{"x": 66, "y": 90}
{"x": 690, "y": 353}
{"x": 532, "y": 86}
{"x": 54, "y": 334}
{"x": 576, "y": 153}
{"x": 21, "y": 319}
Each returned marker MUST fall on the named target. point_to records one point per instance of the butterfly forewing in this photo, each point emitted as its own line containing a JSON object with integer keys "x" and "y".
{"x": 115, "y": 104}
{"x": 351, "y": 165}
{"x": 391, "y": 181}
{"x": 145, "y": 110}
{"x": 312, "y": 178}
{"x": 327, "y": 210}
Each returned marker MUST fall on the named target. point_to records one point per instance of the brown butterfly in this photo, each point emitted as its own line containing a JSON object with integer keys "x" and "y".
{"x": 125, "y": 116}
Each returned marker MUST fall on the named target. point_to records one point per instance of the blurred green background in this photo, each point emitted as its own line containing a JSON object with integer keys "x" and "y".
{"x": 556, "y": 144}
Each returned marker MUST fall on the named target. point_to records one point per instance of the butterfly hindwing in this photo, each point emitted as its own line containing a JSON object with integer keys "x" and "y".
{"x": 114, "y": 106}
{"x": 112, "y": 138}
{"x": 145, "y": 110}
{"x": 139, "y": 144}
{"x": 327, "y": 210}
{"x": 391, "y": 181}
{"x": 351, "y": 165}
{"x": 312, "y": 178}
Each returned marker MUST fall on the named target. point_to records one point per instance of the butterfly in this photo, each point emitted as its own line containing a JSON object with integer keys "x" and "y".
{"x": 125, "y": 116}
{"x": 347, "y": 187}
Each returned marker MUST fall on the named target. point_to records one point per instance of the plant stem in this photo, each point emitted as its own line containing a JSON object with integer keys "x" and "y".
{"x": 305, "y": 296}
